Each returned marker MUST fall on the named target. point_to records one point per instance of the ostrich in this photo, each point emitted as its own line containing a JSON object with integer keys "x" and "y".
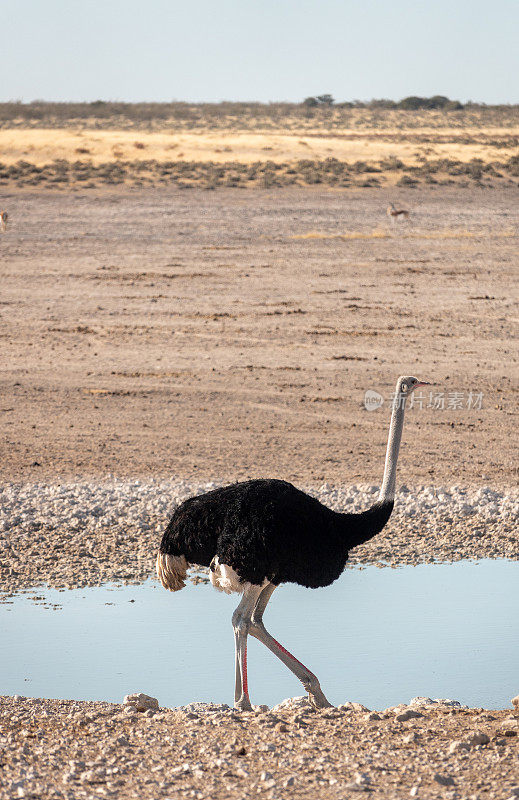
{"x": 258, "y": 534}
{"x": 3, "y": 221}
{"x": 395, "y": 213}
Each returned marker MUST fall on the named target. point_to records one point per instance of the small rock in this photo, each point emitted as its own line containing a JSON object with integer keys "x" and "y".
{"x": 242, "y": 773}
{"x": 372, "y": 716}
{"x": 88, "y": 777}
{"x": 414, "y": 791}
{"x": 411, "y": 737}
{"x": 265, "y": 776}
{"x": 478, "y": 737}
{"x": 421, "y": 701}
{"x": 448, "y": 703}
{"x": 515, "y": 702}
{"x": 356, "y": 707}
{"x": 404, "y": 716}
{"x": 289, "y": 782}
{"x": 444, "y": 780}
{"x": 458, "y": 746}
{"x": 141, "y": 702}
{"x": 292, "y": 704}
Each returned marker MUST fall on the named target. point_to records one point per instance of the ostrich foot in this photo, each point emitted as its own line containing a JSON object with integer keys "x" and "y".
{"x": 243, "y": 704}
{"x": 317, "y": 699}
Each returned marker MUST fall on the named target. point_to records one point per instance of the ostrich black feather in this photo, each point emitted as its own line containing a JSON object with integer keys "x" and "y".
{"x": 268, "y": 529}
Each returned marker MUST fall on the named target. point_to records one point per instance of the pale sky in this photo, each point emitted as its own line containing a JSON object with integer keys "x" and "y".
{"x": 265, "y": 50}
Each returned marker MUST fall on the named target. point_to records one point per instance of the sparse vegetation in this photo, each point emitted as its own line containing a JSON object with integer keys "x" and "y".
{"x": 319, "y": 142}
{"x": 264, "y": 174}
{"x": 323, "y": 109}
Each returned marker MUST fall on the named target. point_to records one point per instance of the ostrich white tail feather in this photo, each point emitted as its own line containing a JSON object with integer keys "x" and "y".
{"x": 171, "y": 571}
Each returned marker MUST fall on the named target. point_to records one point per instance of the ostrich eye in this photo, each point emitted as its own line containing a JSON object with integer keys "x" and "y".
{"x": 404, "y": 387}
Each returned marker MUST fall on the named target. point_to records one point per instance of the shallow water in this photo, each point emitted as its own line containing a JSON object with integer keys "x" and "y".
{"x": 377, "y": 636}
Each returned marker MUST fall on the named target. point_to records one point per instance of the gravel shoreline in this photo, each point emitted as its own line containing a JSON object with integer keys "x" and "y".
{"x": 85, "y": 534}
{"x": 429, "y": 749}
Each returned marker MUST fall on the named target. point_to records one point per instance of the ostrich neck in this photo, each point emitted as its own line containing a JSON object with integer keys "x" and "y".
{"x": 387, "y": 490}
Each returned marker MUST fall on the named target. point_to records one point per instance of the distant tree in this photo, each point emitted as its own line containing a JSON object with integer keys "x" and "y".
{"x": 414, "y": 103}
{"x": 325, "y": 99}
{"x": 311, "y": 102}
{"x": 411, "y": 103}
{"x": 382, "y": 103}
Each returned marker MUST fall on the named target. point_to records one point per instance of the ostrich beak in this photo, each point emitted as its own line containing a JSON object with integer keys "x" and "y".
{"x": 423, "y": 383}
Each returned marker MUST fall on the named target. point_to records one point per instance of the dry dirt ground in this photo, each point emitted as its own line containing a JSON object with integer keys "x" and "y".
{"x": 202, "y": 335}
{"x": 61, "y": 749}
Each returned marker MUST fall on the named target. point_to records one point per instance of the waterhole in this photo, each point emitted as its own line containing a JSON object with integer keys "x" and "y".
{"x": 376, "y": 636}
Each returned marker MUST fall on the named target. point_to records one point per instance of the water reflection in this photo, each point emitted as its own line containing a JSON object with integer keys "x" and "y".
{"x": 378, "y": 636}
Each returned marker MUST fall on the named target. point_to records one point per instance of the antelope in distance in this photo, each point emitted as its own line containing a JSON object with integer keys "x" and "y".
{"x": 395, "y": 213}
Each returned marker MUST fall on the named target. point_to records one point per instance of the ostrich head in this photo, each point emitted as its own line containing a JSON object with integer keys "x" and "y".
{"x": 406, "y": 384}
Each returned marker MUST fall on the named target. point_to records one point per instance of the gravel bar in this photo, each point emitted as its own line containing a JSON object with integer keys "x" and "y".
{"x": 86, "y": 534}
{"x": 426, "y": 749}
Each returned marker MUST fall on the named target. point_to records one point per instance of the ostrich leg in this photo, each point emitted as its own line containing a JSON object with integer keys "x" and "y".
{"x": 258, "y": 630}
{"x": 241, "y": 620}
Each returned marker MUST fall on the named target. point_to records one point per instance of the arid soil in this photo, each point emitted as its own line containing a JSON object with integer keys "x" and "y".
{"x": 74, "y": 750}
{"x": 160, "y": 338}
{"x": 219, "y": 335}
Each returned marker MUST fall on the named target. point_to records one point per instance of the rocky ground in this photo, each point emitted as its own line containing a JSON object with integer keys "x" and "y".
{"x": 86, "y": 534}
{"x": 427, "y": 749}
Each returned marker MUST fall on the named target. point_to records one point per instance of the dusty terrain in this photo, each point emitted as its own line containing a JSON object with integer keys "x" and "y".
{"x": 156, "y": 339}
{"x": 220, "y": 335}
{"x": 425, "y": 750}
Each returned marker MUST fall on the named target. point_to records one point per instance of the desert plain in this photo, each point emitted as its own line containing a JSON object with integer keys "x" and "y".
{"x": 162, "y": 327}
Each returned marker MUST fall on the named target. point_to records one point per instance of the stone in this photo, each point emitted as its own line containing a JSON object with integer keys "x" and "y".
{"x": 515, "y": 702}
{"x": 356, "y": 707}
{"x": 458, "y": 746}
{"x": 421, "y": 701}
{"x": 292, "y": 704}
{"x": 478, "y": 737}
{"x": 444, "y": 780}
{"x": 141, "y": 702}
{"x": 408, "y": 714}
{"x": 242, "y": 773}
